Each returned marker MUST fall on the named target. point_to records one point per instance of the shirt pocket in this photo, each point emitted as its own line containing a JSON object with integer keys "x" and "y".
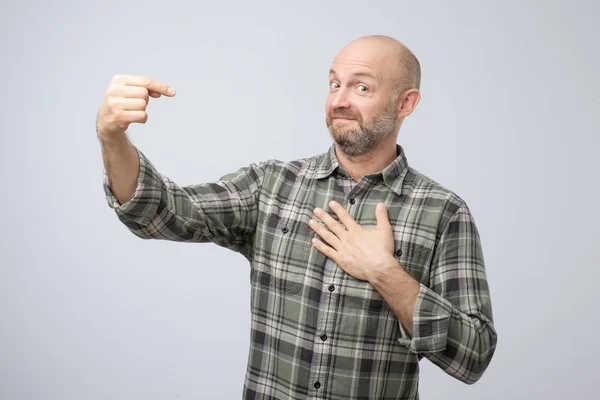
{"x": 413, "y": 258}
{"x": 281, "y": 260}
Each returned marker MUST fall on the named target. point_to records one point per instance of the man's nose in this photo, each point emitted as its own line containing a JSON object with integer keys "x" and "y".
{"x": 340, "y": 99}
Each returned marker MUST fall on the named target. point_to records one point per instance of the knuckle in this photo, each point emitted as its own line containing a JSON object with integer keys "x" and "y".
{"x": 110, "y": 102}
{"x": 113, "y": 89}
{"x": 117, "y": 114}
{"x": 146, "y": 81}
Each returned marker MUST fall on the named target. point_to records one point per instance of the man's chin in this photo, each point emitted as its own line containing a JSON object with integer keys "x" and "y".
{"x": 341, "y": 131}
{"x": 340, "y": 137}
{"x": 343, "y": 141}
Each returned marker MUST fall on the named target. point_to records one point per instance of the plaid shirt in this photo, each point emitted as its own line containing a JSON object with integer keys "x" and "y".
{"x": 316, "y": 331}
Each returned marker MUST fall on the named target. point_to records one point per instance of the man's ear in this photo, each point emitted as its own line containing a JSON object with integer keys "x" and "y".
{"x": 408, "y": 102}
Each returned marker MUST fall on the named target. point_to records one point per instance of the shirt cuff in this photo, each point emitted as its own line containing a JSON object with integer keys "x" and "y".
{"x": 147, "y": 186}
{"x": 431, "y": 319}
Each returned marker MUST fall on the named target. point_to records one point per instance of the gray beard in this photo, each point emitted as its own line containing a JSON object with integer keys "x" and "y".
{"x": 362, "y": 139}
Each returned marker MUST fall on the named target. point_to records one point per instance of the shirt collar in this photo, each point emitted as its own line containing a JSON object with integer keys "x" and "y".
{"x": 392, "y": 175}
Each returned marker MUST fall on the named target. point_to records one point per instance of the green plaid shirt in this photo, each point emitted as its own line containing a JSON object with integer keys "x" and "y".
{"x": 317, "y": 332}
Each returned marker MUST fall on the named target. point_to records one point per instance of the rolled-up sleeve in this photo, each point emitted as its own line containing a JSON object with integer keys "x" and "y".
{"x": 223, "y": 212}
{"x": 452, "y": 320}
{"x": 140, "y": 208}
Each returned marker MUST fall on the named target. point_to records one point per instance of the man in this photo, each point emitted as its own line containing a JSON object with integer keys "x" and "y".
{"x": 360, "y": 265}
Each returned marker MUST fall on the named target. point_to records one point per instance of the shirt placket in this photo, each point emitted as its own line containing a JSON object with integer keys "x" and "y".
{"x": 328, "y": 305}
{"x": 324, "y": 333}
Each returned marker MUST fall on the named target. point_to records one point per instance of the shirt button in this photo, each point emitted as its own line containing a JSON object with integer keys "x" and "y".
{"x": 352, "y": 201}
{"x": 317, "y": 385}
{"x": 285, "y": 230}
{"x": 331, "y": 288}
{"x": 398, "y": 252}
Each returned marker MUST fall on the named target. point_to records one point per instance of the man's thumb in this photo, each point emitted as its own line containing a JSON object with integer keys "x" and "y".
{"x": 381, "y": 214}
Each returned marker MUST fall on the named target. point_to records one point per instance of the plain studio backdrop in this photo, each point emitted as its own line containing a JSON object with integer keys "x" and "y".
{"x": 508, "y": 120}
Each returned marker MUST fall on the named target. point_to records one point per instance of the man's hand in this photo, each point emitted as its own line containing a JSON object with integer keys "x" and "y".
{"x": 125, "y": 102}
{"x": 357, "y": 250}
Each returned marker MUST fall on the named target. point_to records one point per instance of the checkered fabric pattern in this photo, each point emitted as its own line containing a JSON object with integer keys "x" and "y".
{"x": 317, "y": 332}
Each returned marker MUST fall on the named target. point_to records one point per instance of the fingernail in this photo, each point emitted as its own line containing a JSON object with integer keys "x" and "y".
{"x": 171, "y": 90}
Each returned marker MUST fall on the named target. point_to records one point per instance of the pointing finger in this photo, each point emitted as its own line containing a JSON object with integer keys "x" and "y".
{"x": 146, "y": 82}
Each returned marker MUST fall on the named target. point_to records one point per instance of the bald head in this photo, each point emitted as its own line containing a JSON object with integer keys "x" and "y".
{"x": 373, "y": 85}
{"x": 392, "y": 58}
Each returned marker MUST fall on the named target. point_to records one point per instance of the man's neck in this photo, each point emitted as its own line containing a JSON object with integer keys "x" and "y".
{"x": 373, "y": 161}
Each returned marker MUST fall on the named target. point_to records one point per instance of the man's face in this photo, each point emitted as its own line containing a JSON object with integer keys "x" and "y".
{"x": 361, "y": 108}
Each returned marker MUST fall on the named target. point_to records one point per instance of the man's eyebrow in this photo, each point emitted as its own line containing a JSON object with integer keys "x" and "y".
{"x": 366, "y": 74}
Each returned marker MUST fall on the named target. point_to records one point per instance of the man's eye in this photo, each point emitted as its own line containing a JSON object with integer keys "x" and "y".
{"x": 335, "y": 85}
{"x": 363, "y": 88}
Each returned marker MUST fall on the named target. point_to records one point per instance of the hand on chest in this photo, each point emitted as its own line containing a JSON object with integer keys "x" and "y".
{"x": 351, "y": 237}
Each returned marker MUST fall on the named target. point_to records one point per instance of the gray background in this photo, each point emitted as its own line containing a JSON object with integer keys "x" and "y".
{"x": 508, "y": 120}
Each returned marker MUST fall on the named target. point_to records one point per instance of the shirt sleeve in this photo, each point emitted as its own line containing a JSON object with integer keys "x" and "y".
{"x": 452, "y": 320}
{"x": 223, "y": 212}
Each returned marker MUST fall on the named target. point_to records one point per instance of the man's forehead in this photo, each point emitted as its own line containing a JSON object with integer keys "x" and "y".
{"x": 358, "y": 67}
{"x": 354, "y": 69}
